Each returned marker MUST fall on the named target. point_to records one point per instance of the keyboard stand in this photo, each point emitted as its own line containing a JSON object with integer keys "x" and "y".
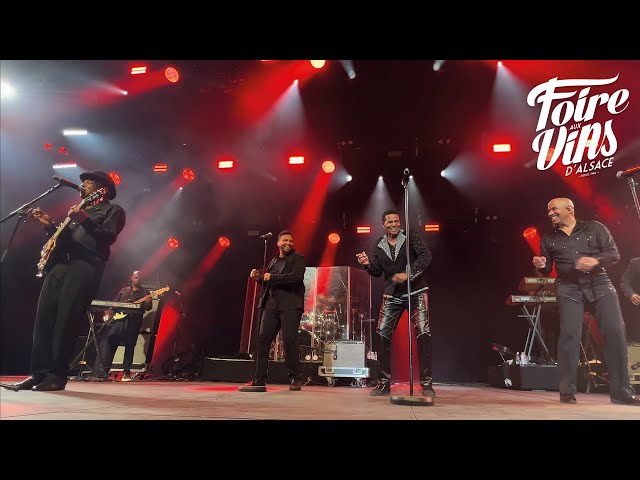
{"x": 533, "y": 317}
{"x": 91, "y": 336}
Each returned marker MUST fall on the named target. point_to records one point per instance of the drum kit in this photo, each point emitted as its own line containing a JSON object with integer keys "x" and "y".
{"x": 319, "y": 327}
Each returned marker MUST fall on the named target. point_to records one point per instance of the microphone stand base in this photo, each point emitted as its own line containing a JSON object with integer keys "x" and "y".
{"x": 414, "y": 401}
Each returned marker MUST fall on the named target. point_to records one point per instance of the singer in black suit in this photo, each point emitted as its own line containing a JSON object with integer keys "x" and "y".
{"x": 390, "y": 258}
{"x": 581, "y": 251}
{"x": 630, "y": 283}
{"x": 78, "y": 262}
{"x": 282, "y": 304}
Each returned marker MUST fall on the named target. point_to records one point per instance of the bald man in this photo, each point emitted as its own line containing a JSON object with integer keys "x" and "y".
{"x": 581, "y": 251}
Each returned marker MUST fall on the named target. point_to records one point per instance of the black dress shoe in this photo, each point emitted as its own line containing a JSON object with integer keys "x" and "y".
{"x": 296, "y": 385}
{"x": 27, "y": 384}
{"x": 630, "y": 400}
{"x": 568, "y": 398}
{"x": 50, "y": 386}
{"x": 254, "y": 386}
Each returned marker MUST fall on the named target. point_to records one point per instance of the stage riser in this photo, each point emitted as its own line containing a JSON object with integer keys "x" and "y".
{"x": 231, "y": 370}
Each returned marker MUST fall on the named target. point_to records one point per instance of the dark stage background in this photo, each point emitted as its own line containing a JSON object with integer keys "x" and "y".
{"x": 393, "y": 115}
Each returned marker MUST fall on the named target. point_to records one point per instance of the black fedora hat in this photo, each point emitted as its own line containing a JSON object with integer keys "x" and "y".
{"x": 102, "y": 177}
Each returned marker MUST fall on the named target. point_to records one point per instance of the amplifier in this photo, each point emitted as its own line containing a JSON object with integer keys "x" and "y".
{"x": 344, "y": 353}
{"x": 633, "y": 366}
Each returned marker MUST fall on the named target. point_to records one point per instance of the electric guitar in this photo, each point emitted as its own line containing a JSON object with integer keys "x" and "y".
{"x": 121, "y": 315}
{"x": 50, "y": 246}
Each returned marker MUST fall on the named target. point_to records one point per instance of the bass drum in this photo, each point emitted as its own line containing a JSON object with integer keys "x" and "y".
{"x": 309, "y": 351}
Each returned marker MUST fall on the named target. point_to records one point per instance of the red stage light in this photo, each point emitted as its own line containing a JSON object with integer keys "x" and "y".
{"x": 47, "y": 146}
{"x": 501, "y": 147}
{"x": 115, "y": 177}
{"x": 224, "y": 242}
{"x": 188, "y": 174}
{"x": 334, "y": 238}
{"x": 318, "y": 63}
{"x": 363, "y": 229}
{"x": 173, "y": 242}
{"x": 171, "y": 74}
{"x": 62, "y": 150}
{"x": 530, "y": 232}
{"x": 328, "y": 166}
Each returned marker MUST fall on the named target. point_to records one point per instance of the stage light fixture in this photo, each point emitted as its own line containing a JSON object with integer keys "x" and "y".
{"x": 334, "y": 238}
{"x": 188, "y": 174}
{"x": 115, "y": 177}
{"x": 328, "y": 166}
{"x": 171, "y": 74}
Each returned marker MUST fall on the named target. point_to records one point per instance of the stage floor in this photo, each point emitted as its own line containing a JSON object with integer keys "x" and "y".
{"x": 205, "y": 400}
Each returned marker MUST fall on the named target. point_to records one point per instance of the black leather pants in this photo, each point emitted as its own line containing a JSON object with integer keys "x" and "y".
{"x": 391, "y": 310}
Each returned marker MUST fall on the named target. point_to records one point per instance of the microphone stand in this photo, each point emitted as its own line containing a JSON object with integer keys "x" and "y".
{"x": 632, "y": 185}
{"x": 264, "y": 267}
{"x": 410, "y": 399}
{"x": 22, "y": 212}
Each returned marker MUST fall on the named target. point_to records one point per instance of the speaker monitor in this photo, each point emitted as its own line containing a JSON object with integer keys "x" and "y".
{"x": 141, "y": 353}
{"x": 633, "y": 350}
{"x": 344, "y": 353}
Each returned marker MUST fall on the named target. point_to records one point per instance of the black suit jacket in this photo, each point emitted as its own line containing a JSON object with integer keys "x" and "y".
{"x": 630, "y": 282}
{"x": 286, "y": 286}
{"x": 380, "y": 263}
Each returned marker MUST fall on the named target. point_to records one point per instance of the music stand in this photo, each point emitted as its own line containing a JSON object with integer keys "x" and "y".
{"x": 92, "y": 335}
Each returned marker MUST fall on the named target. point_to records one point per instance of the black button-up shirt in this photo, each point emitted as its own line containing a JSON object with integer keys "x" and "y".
{"x": 588, "y": 239}
{"x": 92, "y": 239}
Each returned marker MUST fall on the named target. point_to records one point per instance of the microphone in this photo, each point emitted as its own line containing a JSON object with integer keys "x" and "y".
{"x": 629, "y": 172}
{"x": 266, "y": 235}
{"x": 405, "y": 176}
{"x": 66, "y": 183}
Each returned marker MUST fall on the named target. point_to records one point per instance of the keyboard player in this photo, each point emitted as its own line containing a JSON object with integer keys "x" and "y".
{"x": 123, "y": 331}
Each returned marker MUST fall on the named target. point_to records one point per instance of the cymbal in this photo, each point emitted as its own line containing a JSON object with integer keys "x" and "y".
{"x": 324, "y": 299}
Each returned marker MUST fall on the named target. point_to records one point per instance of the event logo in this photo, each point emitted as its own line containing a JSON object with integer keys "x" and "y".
{"x": 566, "y": 128}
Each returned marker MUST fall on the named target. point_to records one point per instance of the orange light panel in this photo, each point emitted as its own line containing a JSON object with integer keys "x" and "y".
{"x": 115, "y": 177}
{"x": 225, "y": 164}
{"x": 173, "y": 242}
{"x": 138, "y": 70}
{"x": 224, "y": 242}
{"x": 363, "y": 229}
{"x": 501, "y": 147}
{"x": 530, "y": 232}
{"x": 160, "y": 167}
{"x": 296, "y": 160}
{"x": 333, "y": 238}
{"x": 188, "y": 174}
{"x": 171, "y": 74}
{"x": 432, "y": 227}
{"x": 328, "y": 166}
